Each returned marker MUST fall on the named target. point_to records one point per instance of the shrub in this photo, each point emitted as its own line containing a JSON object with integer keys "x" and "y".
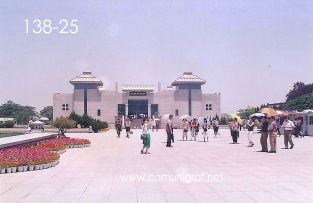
{"x": 87, "y": 121}
{"x": 9, "y": 124}
{"x": 64, "y": 123}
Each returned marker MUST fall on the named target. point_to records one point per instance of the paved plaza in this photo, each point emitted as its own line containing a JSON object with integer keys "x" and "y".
{"x": 113, "y": 170}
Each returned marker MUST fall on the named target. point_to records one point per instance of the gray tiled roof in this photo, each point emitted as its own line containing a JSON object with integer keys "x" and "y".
{"x": 86, "y": 77}
{"x": 188, "y": 78}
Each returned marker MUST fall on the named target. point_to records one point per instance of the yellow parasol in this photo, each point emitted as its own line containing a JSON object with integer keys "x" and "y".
{"x": 268, "y": 111}
{"x": 281, "y": 113}
{"x": 236, "y": 116}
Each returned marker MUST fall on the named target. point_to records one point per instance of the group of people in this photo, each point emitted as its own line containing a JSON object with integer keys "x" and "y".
{"x": 194, "y": 127}
{"x": 119, "y": 127}
{"x": 269, "y": 128}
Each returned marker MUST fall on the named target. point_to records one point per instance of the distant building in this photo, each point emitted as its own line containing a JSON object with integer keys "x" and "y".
{"x": 183, "y": 97}
{"x": 276, "y": 106}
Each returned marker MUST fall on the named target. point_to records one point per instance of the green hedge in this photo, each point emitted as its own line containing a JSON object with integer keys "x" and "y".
{"x": 7, "y": 124}
{"x": 86, "y": 121}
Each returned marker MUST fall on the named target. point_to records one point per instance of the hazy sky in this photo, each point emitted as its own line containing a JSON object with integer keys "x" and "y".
{"x": 249, "y": 51}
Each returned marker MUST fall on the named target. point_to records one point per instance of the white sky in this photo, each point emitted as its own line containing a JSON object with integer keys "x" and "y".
{"x": 249, "y": 51}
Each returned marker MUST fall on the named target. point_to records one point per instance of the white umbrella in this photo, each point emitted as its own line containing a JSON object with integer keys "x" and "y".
{"x": 187, "y": 117}
{"x": 257, "y": 115}
{"x": 201, "y": 120}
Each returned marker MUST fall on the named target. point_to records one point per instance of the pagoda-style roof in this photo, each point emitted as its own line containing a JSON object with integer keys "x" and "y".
{"x": 137, "y": 88}
{"x": 86, "y": 78}
{"x": 188, "y": 78}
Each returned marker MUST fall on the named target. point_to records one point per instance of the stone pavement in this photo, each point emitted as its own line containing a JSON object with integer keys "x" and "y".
{"x": 113, "y": 170}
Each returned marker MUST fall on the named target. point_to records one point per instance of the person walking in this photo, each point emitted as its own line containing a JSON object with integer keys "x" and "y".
{"x": 272, "y": 131}
{"x": 205, "y": 127}
{"x": 288, "y": 125}
{"x": 250, "y": 126}
{"x": 146, "y": 137}
{"x": 193, "y": 127}
{"x": 127, "y": 127}
{"x": 169, "y": 131}
{"x": 297, "y": 129}
{"x": 215, "y": 127}
{"x": 264, "y": 134}
{"x": 184, "y": 126}
{"x": 235, "y": 130}
{"x": 118, "y": 127}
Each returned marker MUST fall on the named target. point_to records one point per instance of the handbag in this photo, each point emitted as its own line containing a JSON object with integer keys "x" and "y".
{"x": 142, "y": 136}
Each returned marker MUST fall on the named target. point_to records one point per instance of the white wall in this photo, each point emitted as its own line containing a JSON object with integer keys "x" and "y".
{"x": 58, "y": 100}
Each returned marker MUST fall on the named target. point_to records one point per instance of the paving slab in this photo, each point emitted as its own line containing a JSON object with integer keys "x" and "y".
{"x": 113, "y": 170}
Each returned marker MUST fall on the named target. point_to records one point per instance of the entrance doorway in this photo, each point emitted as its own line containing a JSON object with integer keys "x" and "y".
{"x": 138, "y": 108}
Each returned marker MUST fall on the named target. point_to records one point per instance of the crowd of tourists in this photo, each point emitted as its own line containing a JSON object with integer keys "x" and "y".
{"x": 269, "y": 127}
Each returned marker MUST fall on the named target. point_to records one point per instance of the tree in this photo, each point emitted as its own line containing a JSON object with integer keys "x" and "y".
{"x": 47, "y": 112}
{"x": 64, "y": 123}
{"x": 299, "y": 89}
{"x": 21, "y": 113}
{"x": 245, "y": 113}
{"x": 300, "y": 103}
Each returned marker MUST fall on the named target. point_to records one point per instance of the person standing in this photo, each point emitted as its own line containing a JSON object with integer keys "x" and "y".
{"x": 193, "y": 127}
{"x": 235, "y": 130}
{"x": 215, "y": 127}
{"x": 264, "y": 134}
{"x": 250, "y": 126}
{"x": 146, "y": 137}
{"x": 169, "y": 131}
{"x": 205, "y": 127}
{"x": 184, "y": 126}
{"x": 127, "y": 127}
{"x": 278, "y": 127}
{"x": 288, "y": 125}
{"x": 272, "y": 131}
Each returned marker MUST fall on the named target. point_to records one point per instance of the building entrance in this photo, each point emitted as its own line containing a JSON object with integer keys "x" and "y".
{"x": 138, "y": 108}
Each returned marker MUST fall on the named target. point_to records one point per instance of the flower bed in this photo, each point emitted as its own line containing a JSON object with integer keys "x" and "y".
{"x": 27, "y": 158}
{"x": 43, "y": 155}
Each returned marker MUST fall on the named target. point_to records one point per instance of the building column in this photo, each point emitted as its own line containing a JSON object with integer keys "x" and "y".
{"x": 189, "y": 102}
{"x": 126, "y": 110}
{"x": 149, "y": 110}
{"x": 85, "y": 101}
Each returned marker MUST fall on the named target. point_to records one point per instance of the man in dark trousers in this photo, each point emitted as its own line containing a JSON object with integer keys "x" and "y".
{"x": 264, "y": 134}
{"x": 118, "y": 127}
{"x": 169, "y": 131}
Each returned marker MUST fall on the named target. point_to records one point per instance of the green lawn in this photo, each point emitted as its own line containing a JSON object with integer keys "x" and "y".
{"x": 8, "y": 134}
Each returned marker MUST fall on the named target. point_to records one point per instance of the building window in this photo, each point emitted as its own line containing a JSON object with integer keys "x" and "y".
{"x": 176, "y": 112}
{"x": 208, "y": 107}
{"x": 311, "y": 120}
{"x": 98, "y": 112}
{"x": 65, "y": 107}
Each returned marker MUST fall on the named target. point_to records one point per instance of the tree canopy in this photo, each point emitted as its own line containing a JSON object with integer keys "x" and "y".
{"x": 300, "y": 103}
{"x": 20, "y": 113}
{"x": 245, "y": 113}
{"x": 299, "y": 89}
{"x": 47, "y": 112}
